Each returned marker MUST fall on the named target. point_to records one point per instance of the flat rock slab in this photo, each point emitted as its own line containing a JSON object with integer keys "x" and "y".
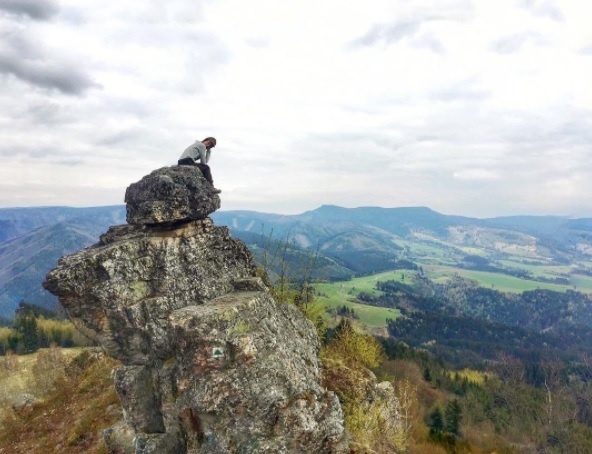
{"x": 168, "y": 195}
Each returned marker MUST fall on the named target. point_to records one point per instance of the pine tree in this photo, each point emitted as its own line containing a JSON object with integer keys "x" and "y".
{"x": 436, "y": 421}
{"x": 453, "y": 415}
{"x": 27, "y": 327}
{"x": 427, "y": 374}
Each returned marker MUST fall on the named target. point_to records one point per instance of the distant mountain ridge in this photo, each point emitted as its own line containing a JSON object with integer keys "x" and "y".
{"x": 399, "y": 220}
{"x": 402, "y": 222}
{"x": 355, "y": 240}
{"x": 33, "y": 239}
{"x": 15, "y": 222}
{"x": 372, "y": 239}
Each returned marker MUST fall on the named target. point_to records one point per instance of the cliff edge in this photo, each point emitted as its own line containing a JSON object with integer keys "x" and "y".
{"x": 211, "y": 363}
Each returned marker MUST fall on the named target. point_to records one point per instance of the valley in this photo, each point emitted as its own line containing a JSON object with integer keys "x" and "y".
{"x": 481, "y": 322}
{"x": 510, "y": 254}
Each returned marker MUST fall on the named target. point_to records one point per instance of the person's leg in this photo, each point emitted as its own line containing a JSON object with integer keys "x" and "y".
{"x": 205, "y": 169}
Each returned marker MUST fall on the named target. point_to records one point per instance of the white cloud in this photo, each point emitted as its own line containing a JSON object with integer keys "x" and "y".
{"x": 476, "y": 108}
{"x": 477, "y": 175}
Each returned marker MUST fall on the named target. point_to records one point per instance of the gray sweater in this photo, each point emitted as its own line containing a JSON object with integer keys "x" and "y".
{"x": 197, "y": 152}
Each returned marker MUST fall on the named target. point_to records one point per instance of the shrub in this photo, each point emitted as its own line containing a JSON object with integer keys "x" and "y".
{"x": 9, "y": 363}
{"x": 315, "y": 312}
{"x": 71, "y": 417}
{"x": 48, "y": 369}
{"x": 372, "y": 413}
{"x": 354, "y": 348}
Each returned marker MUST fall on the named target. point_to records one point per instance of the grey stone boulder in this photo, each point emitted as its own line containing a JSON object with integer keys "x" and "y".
{"x": 121, "y": 291}
{"x": 169, "y": 195}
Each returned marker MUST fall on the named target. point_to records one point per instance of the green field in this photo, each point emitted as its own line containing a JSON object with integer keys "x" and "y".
{"x": 582, "y": 283}
{"x": 370, "y": 316}
{"x": 428, "y": 253}
{"x": 338, "y": 294}
{"x": 473, "y": 251}
{"x": 504, "y": 282}
{"x": 549, "y": 271}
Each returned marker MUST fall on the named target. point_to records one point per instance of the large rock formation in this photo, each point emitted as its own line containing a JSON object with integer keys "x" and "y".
{"x": 211, "y": 363}
{"x": 170, "y": 194}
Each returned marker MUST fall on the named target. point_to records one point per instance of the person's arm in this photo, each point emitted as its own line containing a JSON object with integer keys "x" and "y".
{"x": 203, "y": 154}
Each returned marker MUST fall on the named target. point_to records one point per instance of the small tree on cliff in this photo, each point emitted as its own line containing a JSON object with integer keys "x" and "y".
{"x": 354, "y": 348}
{"x": 288, "y": 272}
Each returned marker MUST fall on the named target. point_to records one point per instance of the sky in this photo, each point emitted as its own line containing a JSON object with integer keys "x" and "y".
{"x": 478, "y": 108}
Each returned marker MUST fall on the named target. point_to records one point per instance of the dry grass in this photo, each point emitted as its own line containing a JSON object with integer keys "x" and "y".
{"x": 70, "y": 418}
{"x": 17, "y": 378}
{"x": 489, "y": 442}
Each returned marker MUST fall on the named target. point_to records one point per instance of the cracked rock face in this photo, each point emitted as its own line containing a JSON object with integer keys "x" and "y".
{"x": 211, "y": 363}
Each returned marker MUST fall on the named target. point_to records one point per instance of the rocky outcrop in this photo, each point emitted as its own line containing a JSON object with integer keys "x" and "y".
{"x": 170, "y": 194}
{"x": 211, "y": 363}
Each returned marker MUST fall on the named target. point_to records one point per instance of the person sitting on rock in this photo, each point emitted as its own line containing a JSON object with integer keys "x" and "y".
{"x": 200, "y": 151}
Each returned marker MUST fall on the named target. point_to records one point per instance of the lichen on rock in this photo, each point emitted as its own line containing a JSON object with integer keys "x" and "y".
{"x": 211, "y": 363}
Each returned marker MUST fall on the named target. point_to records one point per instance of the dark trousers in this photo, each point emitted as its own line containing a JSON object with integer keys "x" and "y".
{"x": 205, "y": 169}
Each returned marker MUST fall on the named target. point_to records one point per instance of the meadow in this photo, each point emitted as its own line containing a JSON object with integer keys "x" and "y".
{"x": 506, "y": 283}
{"x": 338, "y": 294}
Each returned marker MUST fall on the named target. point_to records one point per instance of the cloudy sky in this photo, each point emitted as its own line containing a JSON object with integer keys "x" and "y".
{"x": 478, "y": 108}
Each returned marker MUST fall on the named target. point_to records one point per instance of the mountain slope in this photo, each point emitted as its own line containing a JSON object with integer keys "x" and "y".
{"x": 26, "y": 259}
{"x": 400, "y": 221}
{"x": 372, "y": 239}
{"x": 15, "y": 222}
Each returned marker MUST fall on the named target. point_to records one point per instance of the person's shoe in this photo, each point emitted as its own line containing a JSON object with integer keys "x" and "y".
{"x": 215, "y": 191}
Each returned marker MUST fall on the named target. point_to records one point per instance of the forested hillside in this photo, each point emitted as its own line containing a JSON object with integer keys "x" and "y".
{"x": 481, "y": 370}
